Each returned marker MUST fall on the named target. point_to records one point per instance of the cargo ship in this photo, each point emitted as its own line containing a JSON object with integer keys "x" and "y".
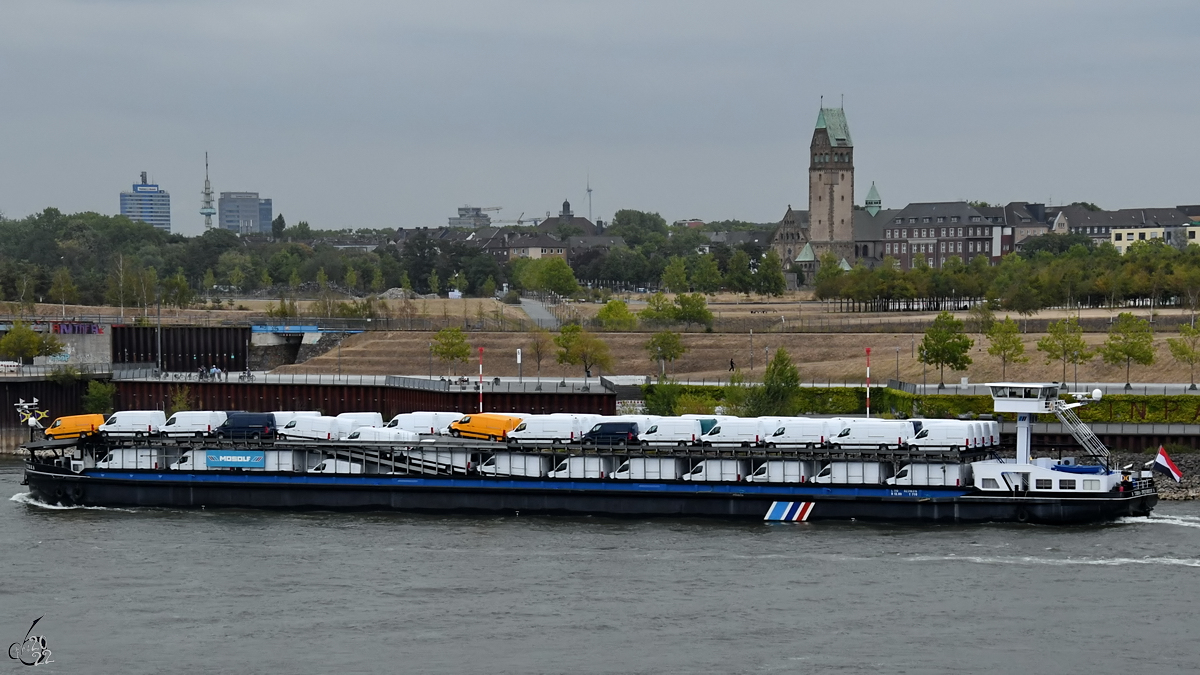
{"x": 849, "y": 469}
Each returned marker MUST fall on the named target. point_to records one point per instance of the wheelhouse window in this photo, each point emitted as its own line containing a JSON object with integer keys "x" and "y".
{"x": 990, "y": 484}
{"x": 1066, "y": 484}
{"x": 1043, "y": 484}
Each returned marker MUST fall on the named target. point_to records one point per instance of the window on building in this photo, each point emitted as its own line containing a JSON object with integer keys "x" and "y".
{"x": 974, "y": 219}
{"x": 943, "y": 247}
{"x": 941, "y": 219}
{"x": 958, "y": 247}
{"x": 1191, "y": 234}
{"x": 954, "y": 219}
{"x": 904, "y": 248}
{"x": 926, "y": 219}
{"x": 1154, "y": 235}
{"x": 898, "y": 221}
{"x": 911, "y": 221}
{"x": 887, "y": 234}
{"x": 1117, "y": 237}
{"x": 960, "y": 231}
{"x": 887, "y": 248}
{"x": 1141, "y": 236}
{"x": 987, "y": 246}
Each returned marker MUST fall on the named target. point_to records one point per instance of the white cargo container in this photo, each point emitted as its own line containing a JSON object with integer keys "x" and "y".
{"x": 930, "y": 474}
{"x": 336, "y": 466}
{"x": 650, "y": 468}
{"x": 861, "y": 433}
{"x": 552, "y": 428}
{"x": 726, "y": 470}
{"x": 668, "y": 431}
{"x": 383, "y": 434}
{"x": 583, "y": 467}
{"x": 197, "y": 423}
{"x": 129, "y": 458}
{"x": 133, "y": 423}
{"x": 323, "y": 428}
{"x": 854, "y": 473}
{"x": 515, "y": 464}
{"x": 739, "y": 432}
{"x": 785, "y": 471}
{"x": 282, "y": 417}
{"x": 424, "y": 422}
{"x": 802, "y": 432}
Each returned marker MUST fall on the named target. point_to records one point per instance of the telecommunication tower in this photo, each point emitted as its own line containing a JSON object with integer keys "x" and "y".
{"x": 206, "y": 203}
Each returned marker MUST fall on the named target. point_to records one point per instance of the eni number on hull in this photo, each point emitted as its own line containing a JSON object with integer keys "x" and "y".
{"x": 774, "y": 469}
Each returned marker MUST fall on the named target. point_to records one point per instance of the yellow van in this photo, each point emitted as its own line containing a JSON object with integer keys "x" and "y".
{"x": 74, "y": 426}
{"x": 488, "y": 426}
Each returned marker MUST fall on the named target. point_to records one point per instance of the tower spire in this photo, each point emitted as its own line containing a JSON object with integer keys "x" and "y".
{"x": 206, "y": 202}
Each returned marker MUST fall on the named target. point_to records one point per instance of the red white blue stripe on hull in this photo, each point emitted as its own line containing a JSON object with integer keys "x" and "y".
{"x": 790, "y": 511}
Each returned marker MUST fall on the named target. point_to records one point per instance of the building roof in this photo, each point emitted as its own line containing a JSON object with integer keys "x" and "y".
{"x": 1078, "y": 216}
{"x": 833, "y": 121}
{"x": 934, "y": 210}
{"x": 869, "y": 227}
{"x": 806, "y": 253}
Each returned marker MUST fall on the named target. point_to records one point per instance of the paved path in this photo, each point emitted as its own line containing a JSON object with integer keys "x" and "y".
{"x": 537, "y": 311}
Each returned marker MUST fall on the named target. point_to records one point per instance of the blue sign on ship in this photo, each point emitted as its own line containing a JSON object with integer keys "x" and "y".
{"x": 236, "y": 459}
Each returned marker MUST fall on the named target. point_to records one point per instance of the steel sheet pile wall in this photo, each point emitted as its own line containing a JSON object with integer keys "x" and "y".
{"x": 333, "y": 399}
{"x": 185, "y": 348}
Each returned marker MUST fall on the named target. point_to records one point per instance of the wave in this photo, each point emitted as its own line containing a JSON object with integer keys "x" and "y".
{"x": 1057, "y": 562}
{"x": 1182, "y": 521}
{"x": 27, "y": 499}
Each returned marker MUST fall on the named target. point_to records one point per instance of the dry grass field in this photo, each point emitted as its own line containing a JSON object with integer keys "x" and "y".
{"x": 835, "y": 357}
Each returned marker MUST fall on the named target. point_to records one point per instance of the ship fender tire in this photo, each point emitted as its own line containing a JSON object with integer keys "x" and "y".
{"x": 58, "y": 493}
{"x": 1022, "y": 516}
{"x": 77, "y": 493}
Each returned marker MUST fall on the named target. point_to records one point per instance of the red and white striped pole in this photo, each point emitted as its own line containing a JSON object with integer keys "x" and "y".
{"x": 868, "y": 383}
{"x": 481, "y": 379}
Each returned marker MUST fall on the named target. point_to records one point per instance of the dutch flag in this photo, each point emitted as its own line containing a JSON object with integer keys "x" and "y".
{"x": 1163, "y": 463}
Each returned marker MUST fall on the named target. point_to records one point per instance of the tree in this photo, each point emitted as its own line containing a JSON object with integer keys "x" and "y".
{"x": 450, "y": 346}
{"x": 100, "y": 397}
{"x": 945, "y": 344}
{"x": 208, "y": 282}
{"x": 738, "y": 278}
{"x": 1186, "y": 348}
{"x": 540, "y": 343}
{"x": 615, "y": 315}
{"x": 781, "y": 384}
{"x": 706, "y": 275}
{"x": 351, "y": 279}
{"x": 322, "y": 278}
{"x": 579, "y": 347}
{"x": 665, "y": 346}
{"x": 22, "y": 343}
{"x": 1130, "y": 340}
{"x": 1004, "y": 341}
{"x": 982, "y": 318}
{"x": 264, "y": 279}
{"x": 278, "y": 226}
{"x": 294, "y": 280}
{"x": 459, "y": 281}
{"x": 1064, "y": 342}
{"x": 550, "y": 274}
{"x": 237, "y": 277}
{"x": 659, "y": 311}
{"x": 180, "y": 398}
{"x": 434, "y": 282}
{"x": 830, "y": 277}
{"x": 769, "y": 279}
{"x": 63, "y": 289}
{"x": 692, "y": 308}
{"x": 488, "y": 289}
{"x": 674, "y": 276}
{"x": 176, "y": 290}
{"x": 377, "y": 280}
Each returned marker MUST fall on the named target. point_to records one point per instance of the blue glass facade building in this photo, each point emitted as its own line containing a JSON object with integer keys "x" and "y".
{"x": 244, "y": 213}
{"x": 147, "y": 203}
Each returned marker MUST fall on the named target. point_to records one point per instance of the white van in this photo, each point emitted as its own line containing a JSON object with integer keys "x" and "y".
{"x": 650, "y": 468}
{"x": 727, "y": 470}
{"x": 282, "y": 417}
{"x": 930, "y": 474}
{"x": 349, "y": 421}
{"x": 707, "y": 422}
{"x": 552, "y": 428}
{"x": 802, "y": 432}
{"x": 861, "y": 433}
{"x": 854, "y": 473}
{"x": 739, "y": 432}
{"x": 669, "y": 431}
{"x": 785, "y": 471}
{"x": 133, "y": 423}
{"x": 993, "y": 432}
{"x": 198, "y": 423}
{"x": 383, "y": 434}
{"x": 515, "y": 464}
{"x": 129, "y": 458}
{"x": 323, "y": 428}
{"x": 424, "y": 422}
{"x": 583, "y": 467}
{"x": 439, "y": 461}
{"x": 939, "y": 434}
{"x": 337, "y": 466}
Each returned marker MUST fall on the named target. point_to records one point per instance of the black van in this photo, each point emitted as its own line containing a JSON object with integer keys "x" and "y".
{"x": 247, "y": 425}
{"x": 612, "y": 433}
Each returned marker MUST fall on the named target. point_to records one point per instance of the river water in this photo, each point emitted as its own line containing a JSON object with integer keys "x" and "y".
{"x": 202, "y": 591}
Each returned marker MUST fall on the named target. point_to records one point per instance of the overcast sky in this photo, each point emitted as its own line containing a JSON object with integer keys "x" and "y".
{"x": 387, "y": 113}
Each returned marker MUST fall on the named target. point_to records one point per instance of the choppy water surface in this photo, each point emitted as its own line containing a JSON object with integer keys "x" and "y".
{"x": 160, "y": 590}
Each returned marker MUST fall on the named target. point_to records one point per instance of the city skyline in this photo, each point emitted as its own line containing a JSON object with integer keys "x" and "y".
{"x": 397, "y": 116}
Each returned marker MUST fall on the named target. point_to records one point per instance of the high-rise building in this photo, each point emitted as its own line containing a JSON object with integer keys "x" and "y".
{"x": 244, "y": 212}
{"x": 147, "y": 203}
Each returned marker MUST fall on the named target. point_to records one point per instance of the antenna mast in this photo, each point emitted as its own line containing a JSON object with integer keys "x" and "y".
{"x": 589, "y": 196}
{"x": 206, "y": 202}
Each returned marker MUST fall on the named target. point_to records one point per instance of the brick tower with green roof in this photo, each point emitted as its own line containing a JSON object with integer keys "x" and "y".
{"x": 831, "y": 185}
